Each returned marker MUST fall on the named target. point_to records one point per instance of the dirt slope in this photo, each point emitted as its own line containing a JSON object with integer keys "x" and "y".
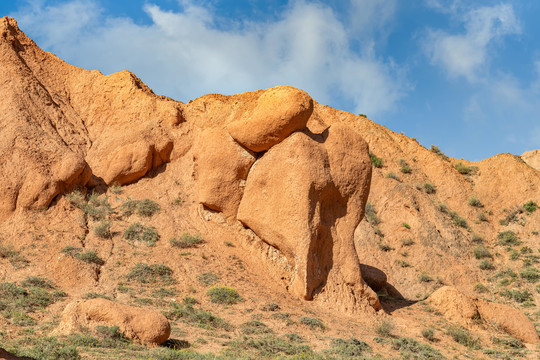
{"x": 430, "y": 221}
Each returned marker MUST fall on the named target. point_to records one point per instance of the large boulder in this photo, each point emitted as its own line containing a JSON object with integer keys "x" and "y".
{"x": 140, "y": 325}
{"x": 305, "y": 197}
{"x": 532, "y": 158}
{"x": 221, "y": 168}
{"x": 279, "y": 112}
{"x": 460, "y": 308}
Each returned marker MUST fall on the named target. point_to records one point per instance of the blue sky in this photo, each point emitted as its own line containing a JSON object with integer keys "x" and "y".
{"x": 463, "y": 75}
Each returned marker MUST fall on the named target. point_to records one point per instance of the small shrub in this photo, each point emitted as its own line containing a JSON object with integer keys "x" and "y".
{"x": 138, "y": 232}
{"x": 129, "y": 207}
{"x": 482, "y": 217}
{"x": 90, "y": 257}
{"x": 517, "y": 296}
{"x": 530, "y": 206}
{"x": 486, "y": 265}
{"x": 430, "y": 188}
{"x": 385, "y": 328}
{"x": 312, "y": 322}
{"x": 508, "y": 238}
{"x": 429, "y": 334}
{"x": 197, "y": 317}
{"x": 531, "y": 274}
{"x": 477, "y": 239}
{"x": 442, "y": 208}
{"x": 38, "y": 282}
{"x": 481, "y": 252}
{"x": 512, "y": 215}
{"x": 224, "y": 295}
{"x": 255, "y": 327}
{"x": 407, "y": 242}
{"x": 385, "y": 247}
{"x": 270, "y": 307}
{"x": 147, "y": 208}
{"x": 15, "y": 258}
{"x": 480, "y": 288}
{"x": 406, "y": 226}
{"x": 464, "y": 337}
{"x": 208, "y": 278}
{"x": 351, "y": 348}
{"x": 103, "y": 229}
{"x": 425, "y": 278}
{"x": 186, "y": 241}
{"x": 403, "y": 263}
{"x": 371, "y": 214}
{"x": 94, "y": 295}
{"x": 508, "y": 342}
{"x": 116, "y": 189}
{"x": 475, "y": 202}
{"x": 148, "y": 274}
{"x": 459, "y": 221}
{"x": 464, "y": 169}
{"x": 376, "y": 161}
{"x": 392, "y": 175}
{"x": 405, "y": 168}
{"x": 97, "y": 208}
{"x": 413, "y": 349}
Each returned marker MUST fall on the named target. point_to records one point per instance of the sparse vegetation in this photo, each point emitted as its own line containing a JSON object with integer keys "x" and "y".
{"x": 405, "y": 168}
{"x": 511, "y": 216}
{"x": 312, "y": 322}
{"x": 425, "y": 278}
{"x": 149, "y": 274}
{"x": 186, "y": 241}
{"x": 517, "y": 295}
{"x": 208, "y": 278}
{"x": 531, "y": 274}
{"x": 116, "y": 189}
{"x": 371, "y": 214}
{"x": 351, "y": 348}
{"x": 464, "y": 337}
{"x": 224, "y": 295}
{"x": 407, "y": 242}
{"x": 89, "y": 257}
{"x": 255, "y": 327}
{"x": 413, "y": 349}
{"x": 138, "y": 232}
{"x": 486, "y": 265}
{"x": 458, "y": 220}
{"x": 385, "y": 247}
{"x": 430, "y": 189}
{"x": 508, "y": 238}
{"x": 146, "y": 207}
{"x": 392, "y": 175}
{"x": 435, "y": 149}
{"x": 480, "y": 288}
{"x": 385, "y": 328}
{"x": 442, "y": 208}
{"x": 196, "y": 317}
{"x": 464, "y": 169}
{"x": 13, "y": 256}
{"x": 475, "y": 202}
{"x": 376, "y": 161}
{"x": 103, "y": 229}
{"x": 406, "y": 226}
{"x": 480, "y": 252}
{"x": 530, "y": 206}
{"x": 429, "y": 334}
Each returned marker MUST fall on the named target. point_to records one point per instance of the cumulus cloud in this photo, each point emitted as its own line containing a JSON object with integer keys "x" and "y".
{"x": 186, "y": 53}
{"x": 466, "y": 54}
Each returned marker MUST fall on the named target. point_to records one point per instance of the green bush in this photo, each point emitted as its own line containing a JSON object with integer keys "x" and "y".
{"x": 459, "y": 221}
{"x": 349, "y": 349}
{"x": 429, "y": 334}
{"x": 138, "y": 232}
{"x": 413, "y": 349}
{"x": 531, "y": 274}
{"x": 103, "y": 229}
{"x": 430, "y": 188}
{"x": 147, "y": 208}
{"x": 517, "y": 295}
{"x": 255, "y": 327}
{"x": 464, "y": 337}
{"x": 464, "y": 169}
{"x": 486, "y": 265}
{"x": 385, "y": 328}
{"x": 376, "y": 161}
{"x": 480, "y": 288}
{"x": 48, "y": 348}
{"x": 392, "y": 175}
{"x": 406, "y": 226}
{"x": 442, "y": 208}
{"x": 425, "y": 278}
{"x": 196, "y": 317}
{"x": 90, "y": 257}
{"x": 481, "y": 252}
{"x": 475, "y": 202}
{"x": 405, "y": 168}
{"x": 312, "y": 322}
{"x": 224, "y": 295}
{"x": 208, "y": 278}
{"x": 186, "y": 241}
{"x": 508, "y": 238}
{"x": 148, "y": 274}
{"x": 530, "y": 206}
{"x": 371, "y": 214}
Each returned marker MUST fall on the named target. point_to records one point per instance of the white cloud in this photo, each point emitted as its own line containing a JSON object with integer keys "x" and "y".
{"x": 186, "y": 54}
{"x": 467, "y": 54}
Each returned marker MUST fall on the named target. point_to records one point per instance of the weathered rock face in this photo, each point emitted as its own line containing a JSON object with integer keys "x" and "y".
{"x": 532, "y": 158}
{"x": 460, "y": 308}
{"x": 221, "y": 168}
{"x": 279, "y": 112}
{"x": 60, "y": 124}
{"x": 142, "y": 326}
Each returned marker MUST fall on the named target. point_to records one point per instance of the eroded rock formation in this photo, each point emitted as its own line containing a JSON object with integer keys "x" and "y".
{"x": 140, "y": 325}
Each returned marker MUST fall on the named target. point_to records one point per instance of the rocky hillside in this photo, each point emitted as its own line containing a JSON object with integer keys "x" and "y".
{"x": 257, "y": 225}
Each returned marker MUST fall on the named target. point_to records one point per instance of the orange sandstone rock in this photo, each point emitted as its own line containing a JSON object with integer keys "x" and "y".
{"x": 140, "y": 325}
{"x": 279, "y": 112}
